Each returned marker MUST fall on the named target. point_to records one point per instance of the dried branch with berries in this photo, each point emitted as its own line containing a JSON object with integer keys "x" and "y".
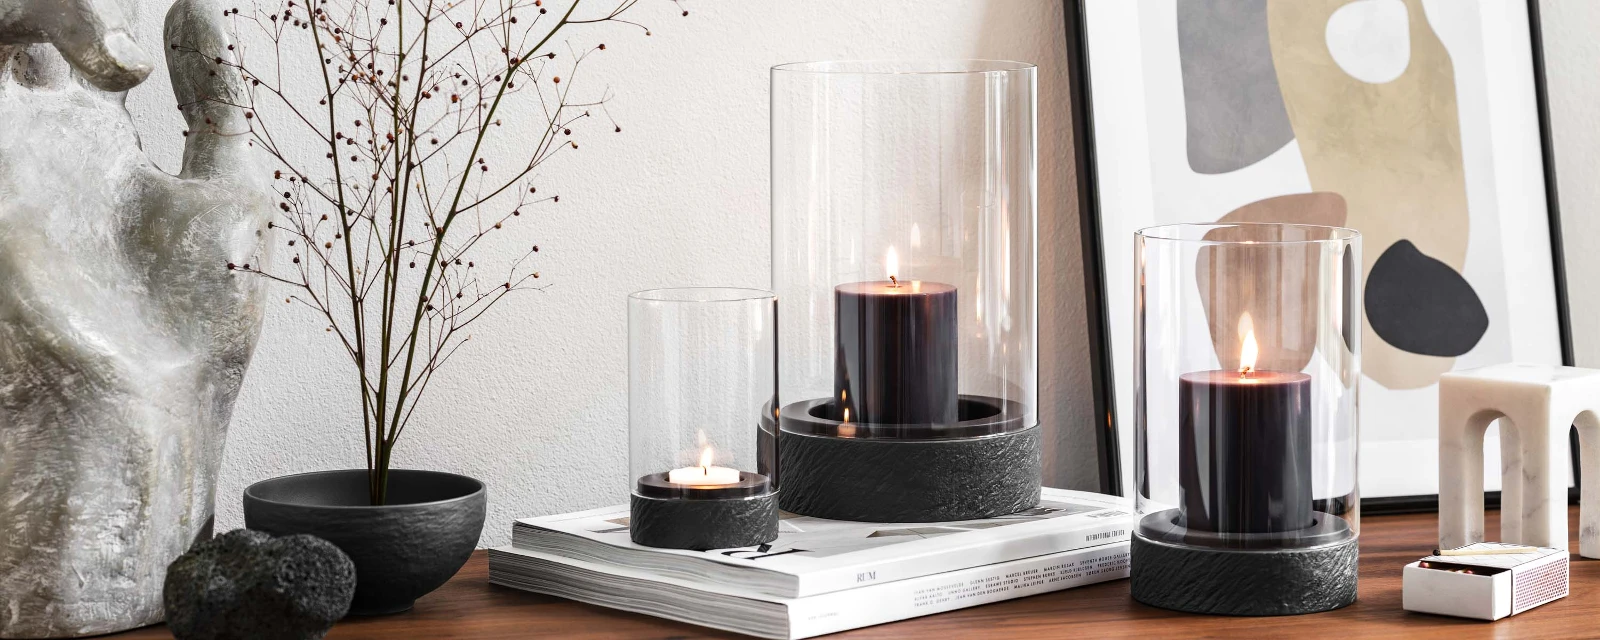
{"x": 380, "y": 115}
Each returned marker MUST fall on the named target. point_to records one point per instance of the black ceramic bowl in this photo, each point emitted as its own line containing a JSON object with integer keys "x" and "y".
{"x": 402, "y": 550}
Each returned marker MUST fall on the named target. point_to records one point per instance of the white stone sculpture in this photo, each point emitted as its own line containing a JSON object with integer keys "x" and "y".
{"x": 123, "y": 336}
{"x": 1540, "y": 403}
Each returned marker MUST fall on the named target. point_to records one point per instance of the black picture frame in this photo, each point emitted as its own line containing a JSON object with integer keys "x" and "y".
{"x": 1108, "y": 444}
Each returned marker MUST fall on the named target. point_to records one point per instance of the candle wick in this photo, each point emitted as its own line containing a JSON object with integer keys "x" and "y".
{"x": 894, "y": 282}
{"x": 1244, "y": 372}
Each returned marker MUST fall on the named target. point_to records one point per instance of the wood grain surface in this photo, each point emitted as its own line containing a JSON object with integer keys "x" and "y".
{"x": 468, "y": 607}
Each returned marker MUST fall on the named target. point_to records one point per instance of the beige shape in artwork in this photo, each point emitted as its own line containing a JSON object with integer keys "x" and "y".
{"x": 1284, "y": 318}
{"x": 1392, "y": 149}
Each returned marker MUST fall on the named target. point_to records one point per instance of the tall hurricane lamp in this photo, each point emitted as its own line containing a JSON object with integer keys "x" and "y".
{"x": 904, "y": 241}
{"x": 1247, "y": 360}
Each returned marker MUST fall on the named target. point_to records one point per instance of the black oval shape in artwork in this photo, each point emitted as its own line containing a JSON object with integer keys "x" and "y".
{"x": 1421, "y": 305}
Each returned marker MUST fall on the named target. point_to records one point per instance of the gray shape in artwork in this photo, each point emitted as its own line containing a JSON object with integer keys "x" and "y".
{"x": 1421, "y": 305}
{"x": 1235, "y": 111}
{"x": 123, "y": 336}
{"x": 248, "y": 584}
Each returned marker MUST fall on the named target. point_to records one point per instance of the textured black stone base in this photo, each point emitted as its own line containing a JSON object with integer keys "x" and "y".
{"x": 703, "y": 524}
{"x": 886, "y": 480}
{"x": 1243, "y": 582}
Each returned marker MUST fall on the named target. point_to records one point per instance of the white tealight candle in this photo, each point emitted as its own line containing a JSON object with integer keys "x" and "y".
{"x": 703, "y": 476}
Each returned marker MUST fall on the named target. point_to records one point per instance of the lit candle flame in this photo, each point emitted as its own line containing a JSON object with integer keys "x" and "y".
{"x": 846, "y": 414}
{"x": 1247, "y": 349}
{"x": 705, "y": 458}
{"x": 891, "y": 264}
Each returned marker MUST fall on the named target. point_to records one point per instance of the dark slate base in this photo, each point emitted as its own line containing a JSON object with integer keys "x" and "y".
{"x": 1243, "y": 582}
{"x": 703, "y": 524}
{"x": 909, "y": 480}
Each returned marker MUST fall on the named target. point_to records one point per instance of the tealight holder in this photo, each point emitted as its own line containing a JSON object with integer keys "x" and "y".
{"x": 1247, "y": 361}
{"x": 904, "y": 231}
{"x": 702, "y": 380}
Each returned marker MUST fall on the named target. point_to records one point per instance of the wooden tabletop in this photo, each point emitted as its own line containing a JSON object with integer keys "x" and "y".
{"x": 469, "y": 607}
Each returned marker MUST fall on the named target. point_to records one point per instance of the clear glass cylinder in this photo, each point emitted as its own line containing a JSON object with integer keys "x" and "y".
{"x": 904, "y": 233}
{"x": 702, "y": 380}
{"x": 1246, "y": 368}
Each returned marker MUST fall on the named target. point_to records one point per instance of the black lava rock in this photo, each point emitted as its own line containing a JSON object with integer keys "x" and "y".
{"x": 248, "y": 584}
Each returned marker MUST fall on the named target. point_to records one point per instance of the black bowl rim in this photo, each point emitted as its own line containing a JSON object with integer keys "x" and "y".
{"x": 249, "y": 492}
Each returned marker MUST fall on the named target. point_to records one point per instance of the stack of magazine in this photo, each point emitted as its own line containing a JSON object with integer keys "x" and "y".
{"x": 822, "y": 576}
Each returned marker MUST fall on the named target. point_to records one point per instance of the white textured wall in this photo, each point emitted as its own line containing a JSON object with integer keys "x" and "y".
{"x": 1572, "y": 71}
{"x": 536, "y": 404}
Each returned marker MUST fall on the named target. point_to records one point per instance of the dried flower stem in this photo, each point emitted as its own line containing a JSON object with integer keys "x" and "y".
{"x": 404, "y": 87}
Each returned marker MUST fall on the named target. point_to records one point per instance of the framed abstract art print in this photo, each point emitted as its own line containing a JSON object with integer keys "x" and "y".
{"x": 1419, "y": 123}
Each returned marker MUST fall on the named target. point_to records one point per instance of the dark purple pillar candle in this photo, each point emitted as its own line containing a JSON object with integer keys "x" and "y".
{"x": 1244, "y": 451}
{"x": 896, "y": 361}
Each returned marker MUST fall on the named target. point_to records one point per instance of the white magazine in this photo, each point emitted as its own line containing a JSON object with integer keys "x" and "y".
{"x": 768, "y": 616}
{"x": 815, "y": 556}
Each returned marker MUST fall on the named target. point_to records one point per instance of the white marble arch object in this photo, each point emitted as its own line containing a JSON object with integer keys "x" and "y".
{"x": 1539, "y": 403}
